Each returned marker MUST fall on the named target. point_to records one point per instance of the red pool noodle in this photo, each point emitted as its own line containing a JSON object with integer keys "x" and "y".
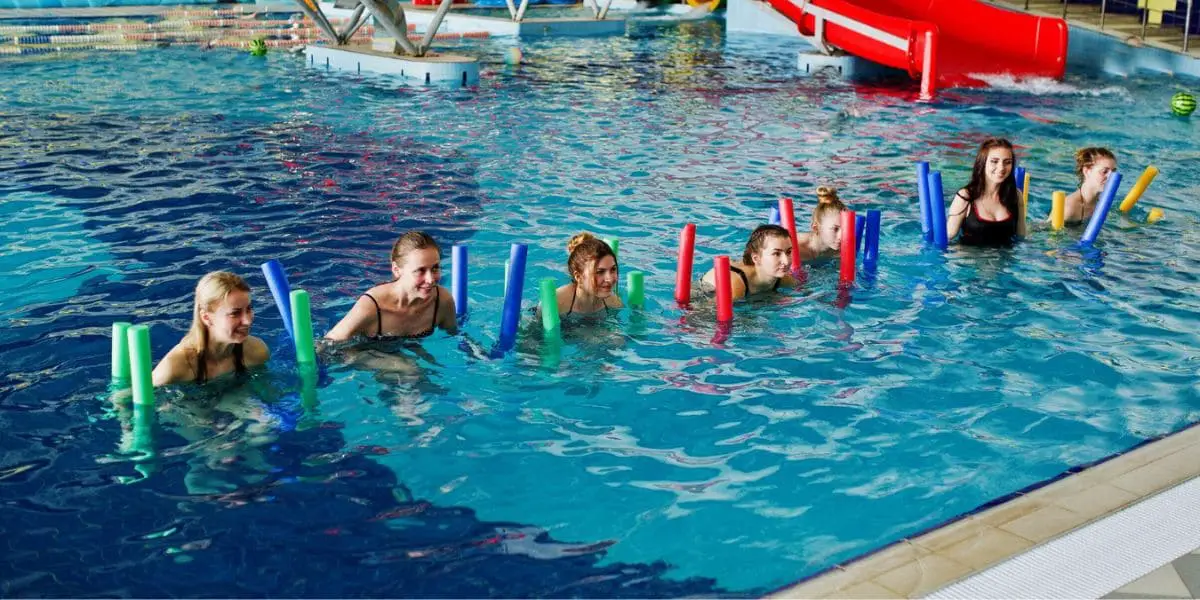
{"x": 724, "y": 289}
{"x": 787, "y": 219}
{"x": 683, "y": 269}
{"x": 848, "y": 247}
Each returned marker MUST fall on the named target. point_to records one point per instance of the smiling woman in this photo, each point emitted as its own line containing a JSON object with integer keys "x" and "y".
{"x": 412, "y": 305}
{"x": 988, "y": 211}
{"x": 219, "y": 340}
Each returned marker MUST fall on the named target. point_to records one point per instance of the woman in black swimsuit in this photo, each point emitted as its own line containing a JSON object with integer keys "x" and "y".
{"x": 766, "y": 264}
{"x": 411, "y": 306}
{"x": 593, "y": 270}
{"x": 989, "y": 211}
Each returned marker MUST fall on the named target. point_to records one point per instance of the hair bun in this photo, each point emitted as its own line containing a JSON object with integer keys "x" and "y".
{"x": 826, "y": 195}
{"x": 578, "y": 239}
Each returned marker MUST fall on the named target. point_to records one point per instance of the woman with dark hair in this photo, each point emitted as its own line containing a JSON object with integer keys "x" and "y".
{"x": 592, "y": 267}
{"x": 766, "y": 264}
{"x": 989, "y": 211}
{"x": 412, "y": 305}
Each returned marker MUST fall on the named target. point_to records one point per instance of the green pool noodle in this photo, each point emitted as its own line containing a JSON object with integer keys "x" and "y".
{"x": 549, "y": 300}
{"x": 143, "y": 431}
{"x": 120, "y": 352}
{"x": 308, "y": 388}
{"x": 306, "y": 353}
{"x": 635, "y": 289}
{"x": 138, "y": 338}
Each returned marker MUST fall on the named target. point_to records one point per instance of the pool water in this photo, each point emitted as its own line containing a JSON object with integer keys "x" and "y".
{"x": 644, "y": 456}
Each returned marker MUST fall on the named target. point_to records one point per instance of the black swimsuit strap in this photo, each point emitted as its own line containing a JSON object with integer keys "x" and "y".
{"x": 437, "y": 299}
{"x": 378, "y": 316}
{"x": 239, "y": 365}
{"x": 574, "y": 291}
{"x": 745, "y": 280}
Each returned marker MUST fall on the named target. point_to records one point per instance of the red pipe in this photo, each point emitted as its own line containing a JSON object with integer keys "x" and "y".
{"x": 683, "y": 269}
{"x": 848, "y": 247}
{"x": 724, "y": 289}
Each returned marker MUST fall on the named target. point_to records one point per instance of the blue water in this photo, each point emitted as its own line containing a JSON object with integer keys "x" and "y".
{"x": 642, "y": 458}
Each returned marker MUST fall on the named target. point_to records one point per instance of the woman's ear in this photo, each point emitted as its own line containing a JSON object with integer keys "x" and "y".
{"x": 206, "y": 318}
{"x": 395, "y": 271}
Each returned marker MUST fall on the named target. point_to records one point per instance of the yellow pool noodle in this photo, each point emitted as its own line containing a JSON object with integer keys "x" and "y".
{"x": 1143, "y": 182}
{"x": 1058, "y": 209}
{"x": 1155, "y": 215}
{"x": 1025, "y": 194}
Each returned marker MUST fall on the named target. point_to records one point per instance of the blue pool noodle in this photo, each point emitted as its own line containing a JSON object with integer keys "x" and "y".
{"x": 458, "y": 275}
{"x": 859, "y": 223}
{"x": 1019, "y": 173}
{"x": 871, "y": 251}
{"x": 511, "y": 315}
{"x": 281, "y": 291}
{"x": 1102, "y": 207}
{"x": 774, "y": 217}
{"x": 923, "y": 197}
{"x": 937, "y": 210}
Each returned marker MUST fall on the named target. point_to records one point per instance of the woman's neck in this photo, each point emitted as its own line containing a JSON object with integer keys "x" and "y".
{"x": 1088, "y": 193}
{"x": 815, "y": 244}
{"x": 218, "y": 350}
{"x": 403, "y": 298}
{"x": 586, "y": 300}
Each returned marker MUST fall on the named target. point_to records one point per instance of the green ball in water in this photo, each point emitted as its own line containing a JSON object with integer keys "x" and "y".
{"x": 1183, "y": 104}
{"x": 258, "y": 48}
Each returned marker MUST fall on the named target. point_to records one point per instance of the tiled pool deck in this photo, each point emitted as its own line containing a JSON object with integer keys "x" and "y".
{"x": 930, "y": 561}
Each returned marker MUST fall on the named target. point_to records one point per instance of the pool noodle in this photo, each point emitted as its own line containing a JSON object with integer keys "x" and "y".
{"x": 849, "y": 249}
{"x": 937, "y": 210}
{"x": 1139, "y": 188}
{"x": 683, "y": 268}
{"x": 120, "y": 353}
{"x": 1102, "y": 207}
{"x": 511, "y": 315}
{"x": 302, "y": 326}
{"x": 923, "y": 198}
{"x": 871, "y": 252}
{"x": 773, "y": 216}
{"x": 860, "y": 223}
{"x": 138, "y": 338}
{"x": 636, "y": 292}
{"x": 278, "y": 284}
{"x": 787, "y": 218}
{"x": 458, "y": 278}
{"x": 1058, "y": 208}
{"x": 549, "y": 301}
{"x": 724, "y": 289}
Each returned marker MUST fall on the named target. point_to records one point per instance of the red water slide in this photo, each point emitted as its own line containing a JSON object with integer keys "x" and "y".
{"x": 943, "y": 42}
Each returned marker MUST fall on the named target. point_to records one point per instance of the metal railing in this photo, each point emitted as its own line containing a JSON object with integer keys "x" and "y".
{"x": 1187, "y": 18}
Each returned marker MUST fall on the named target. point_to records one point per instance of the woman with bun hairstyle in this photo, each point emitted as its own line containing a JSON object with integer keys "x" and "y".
{"x": 825, "y": 238}
{"x": 592, "y": 267}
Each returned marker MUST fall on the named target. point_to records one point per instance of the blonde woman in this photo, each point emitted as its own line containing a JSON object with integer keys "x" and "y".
{"x": 825, "y": 237}
{"x": 219, "y": 341}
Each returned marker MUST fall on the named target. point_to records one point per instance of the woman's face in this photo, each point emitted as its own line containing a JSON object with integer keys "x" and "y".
{"x": 998, "y": 165}
{"x": 419, "y": 272}
{"x": 775, "y": 256}
{"x": 602, "y": 278}
{"x": 229, "y": 322}
{"x": 829, "y": 229}
{"x": 1096, "y": 174}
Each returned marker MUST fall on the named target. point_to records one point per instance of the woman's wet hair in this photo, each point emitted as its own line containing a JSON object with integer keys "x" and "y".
{"x": 585, "y": 249}
{"x": 413, "y": 240}
{"x": 1086, "y": 157}
{"x": 758, "y": 239}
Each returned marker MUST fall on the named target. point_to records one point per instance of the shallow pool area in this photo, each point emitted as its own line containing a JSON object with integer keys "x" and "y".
{"x": 645, "y": 456}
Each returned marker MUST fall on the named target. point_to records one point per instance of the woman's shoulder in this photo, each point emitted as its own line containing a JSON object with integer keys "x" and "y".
{"x": 256, "y": 351}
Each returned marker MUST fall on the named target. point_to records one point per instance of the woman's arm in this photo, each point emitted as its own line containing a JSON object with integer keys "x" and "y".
{"x": 357, "y": 321}
{"x": 956, "y": 214}
{"x": 447, "y": 317}
{"x": 256, "y": 352}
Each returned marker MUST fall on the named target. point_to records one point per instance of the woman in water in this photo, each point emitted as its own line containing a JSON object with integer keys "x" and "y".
{"x": 825, "y": 239}
{"x": 592, "y": 267}
{"x": 766, "y": 264}
{"x": 219, "y": 341}
{"x": 988, "y": 211}
{"x": 413, "y": 305}
{"x": 1092, "y": 167}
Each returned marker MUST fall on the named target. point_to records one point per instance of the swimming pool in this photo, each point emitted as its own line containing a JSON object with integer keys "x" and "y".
{"x": 645, "y": 459}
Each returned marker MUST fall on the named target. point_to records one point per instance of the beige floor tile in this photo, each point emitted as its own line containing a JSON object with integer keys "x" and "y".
{"x": 1044, "y": 523}
{"x": 922, "y": 576}
{"x": 1097, "y": 501}
{"x": 991, "y": 546}
{"x": 1065, "y": 487}
{"x": 1161, "y": 473}
{"x": 1010, "y": 511}
{"x": 887, "y": 559}
{"x": 866, "y": 590}
{"x": 1162, "y": 582}
{"x": 951, "y": 534}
